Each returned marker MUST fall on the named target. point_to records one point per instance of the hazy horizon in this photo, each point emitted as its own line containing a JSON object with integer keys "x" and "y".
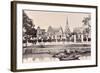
{"x": 44, "y": 19}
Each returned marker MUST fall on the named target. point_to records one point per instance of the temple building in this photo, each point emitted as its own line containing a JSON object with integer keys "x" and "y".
{"x": 67, "y": 30}
{"x": 82, "y": 34}
{"x": 40, "y": 33}
{"x": 55, "y": 33}
{"x": 58, "y": 34}
{"x": 79, "y": 34}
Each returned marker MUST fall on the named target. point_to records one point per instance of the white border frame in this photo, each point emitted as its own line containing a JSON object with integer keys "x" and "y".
{"x": 21, "y": 65}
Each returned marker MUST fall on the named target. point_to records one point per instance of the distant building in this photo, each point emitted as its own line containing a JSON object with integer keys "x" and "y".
{"x": 54, "y": 33}
{"x": 40, "y": 33}
{"x": 79, "y": 34}
{"x": 67, "y": 30}
{"x": 58, "y": 33}
{"x": 83, "y": 34}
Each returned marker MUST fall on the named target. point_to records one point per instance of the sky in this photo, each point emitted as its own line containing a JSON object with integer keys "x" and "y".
{"x": 44, "y": 19}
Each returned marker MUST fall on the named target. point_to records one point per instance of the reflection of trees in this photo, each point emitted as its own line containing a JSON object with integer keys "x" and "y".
{"x": 28, "y": 29}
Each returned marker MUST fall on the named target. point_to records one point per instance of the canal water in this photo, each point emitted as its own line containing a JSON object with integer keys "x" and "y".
{"x": 46, "y": 58}
{"x": 45, "y": 54}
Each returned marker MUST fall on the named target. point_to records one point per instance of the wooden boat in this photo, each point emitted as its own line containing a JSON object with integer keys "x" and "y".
{"x": 70, "y": 57}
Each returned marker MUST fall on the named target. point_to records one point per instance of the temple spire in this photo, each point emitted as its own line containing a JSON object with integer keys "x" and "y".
{"x": 67, "y": 21}
{"x": 67, "y": 30}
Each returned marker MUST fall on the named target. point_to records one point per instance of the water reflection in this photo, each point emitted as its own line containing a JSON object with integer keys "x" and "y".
{"x": 57, "y": 53}
{"x": 49, "y": 58}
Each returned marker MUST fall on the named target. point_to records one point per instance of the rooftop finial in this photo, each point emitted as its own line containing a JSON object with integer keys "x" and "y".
{"x": 67, "y": 30}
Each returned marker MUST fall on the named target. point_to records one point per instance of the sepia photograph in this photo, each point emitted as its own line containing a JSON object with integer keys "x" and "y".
{"x": 47, "y": 36}
{"x": 56, "y": 36}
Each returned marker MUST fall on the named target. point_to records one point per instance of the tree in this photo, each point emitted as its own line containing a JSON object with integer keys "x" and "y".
{"x": 28, "y": 28}
{"x": 86, "y": 22}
